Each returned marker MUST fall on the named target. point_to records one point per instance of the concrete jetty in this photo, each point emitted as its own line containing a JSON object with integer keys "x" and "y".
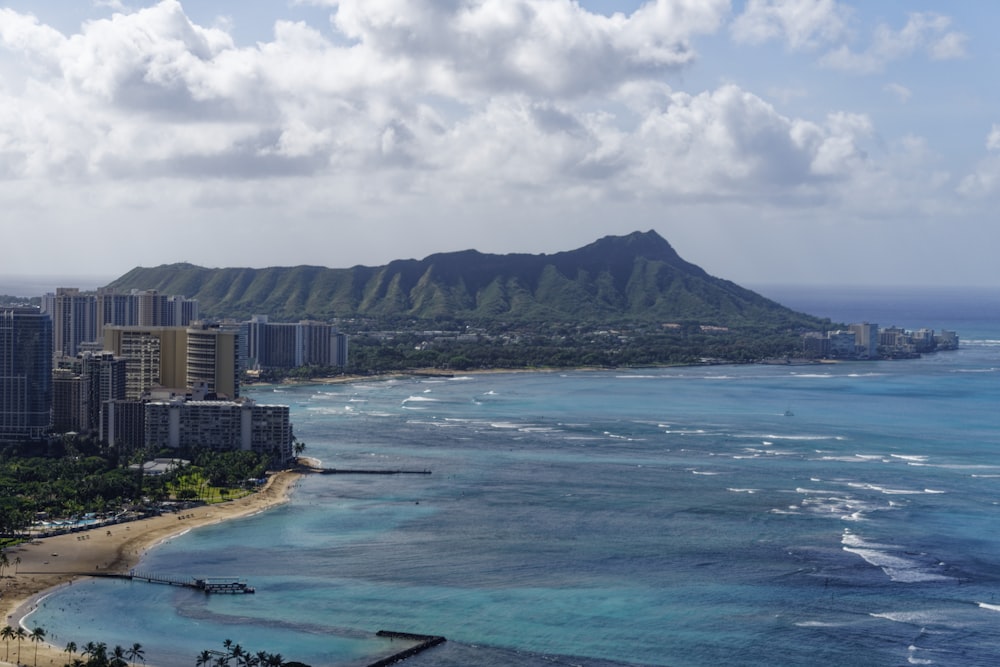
{"x": 425, "y": 642}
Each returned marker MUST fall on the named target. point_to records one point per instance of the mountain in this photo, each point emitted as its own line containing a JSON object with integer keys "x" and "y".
{"x": 617, "y": 279}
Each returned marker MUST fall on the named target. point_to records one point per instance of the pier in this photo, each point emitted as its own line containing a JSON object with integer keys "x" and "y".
{"x": 216, "y": 585}
{"x": 425, "y": 642}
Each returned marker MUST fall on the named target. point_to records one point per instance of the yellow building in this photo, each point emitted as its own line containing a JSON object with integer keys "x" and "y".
{"x": 177, "y": 357}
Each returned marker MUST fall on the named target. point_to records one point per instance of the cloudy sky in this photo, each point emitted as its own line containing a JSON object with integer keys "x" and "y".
{"x": 770, "y": 141}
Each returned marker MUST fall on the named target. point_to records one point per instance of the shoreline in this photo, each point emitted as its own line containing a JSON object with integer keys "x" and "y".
{"x": 50, "y": 563}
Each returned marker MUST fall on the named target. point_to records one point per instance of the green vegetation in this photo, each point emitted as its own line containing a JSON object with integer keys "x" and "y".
{"x": 615, "y": 282}
{"x": 237, "y": 656}
{"x": 97, "y": 654}
{"x": 77, "y": 477}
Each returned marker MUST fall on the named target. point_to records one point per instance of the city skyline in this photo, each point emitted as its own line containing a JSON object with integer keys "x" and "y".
{"x": 769, "y": 141}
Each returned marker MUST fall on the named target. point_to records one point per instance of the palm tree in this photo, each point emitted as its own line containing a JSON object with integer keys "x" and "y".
{"x": 17, "y": 561}
{"x": 37, "y": 635}
{"x": 97, "y": 653}
{"x": 275, "y": 660}
{"x": 4, "y": 562}
{"x": 19, "y": 634}
{"x": 136, "y": 653}
{"x": 236, "y": 652}
{"x": 70, "y": 649}
{"x": 118, "y": 658}
{"x": 204, "y": 658}
{"x": 7, "y": 634}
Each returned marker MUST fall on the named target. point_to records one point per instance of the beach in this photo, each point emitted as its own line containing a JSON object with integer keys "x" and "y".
{"x": 51, "y": 562}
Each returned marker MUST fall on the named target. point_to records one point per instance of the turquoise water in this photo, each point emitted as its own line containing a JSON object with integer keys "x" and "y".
{"x": 643, "y": 517}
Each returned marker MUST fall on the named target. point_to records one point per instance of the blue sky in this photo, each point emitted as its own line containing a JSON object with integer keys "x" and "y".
{"x": 770, "y": 141}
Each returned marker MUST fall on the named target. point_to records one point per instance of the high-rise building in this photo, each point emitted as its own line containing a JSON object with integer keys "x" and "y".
{"x": 181, "y": 312}
{"x": 866, "y": 339}
{"x": 213, "y": 358}
{"x": 74, "y": 320}
{"x": 178, "y": 357}
{"x": 220, "y": 425}
{"x": 115, "y": 308}
{"x": 289, "y": 345}
{"x": 155, "y": 356}
{"x": 70, "y": 401}
{"x": 25, "y": 373}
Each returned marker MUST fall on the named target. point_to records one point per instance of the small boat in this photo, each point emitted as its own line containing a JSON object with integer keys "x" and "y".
{"x": 789, "y": 413}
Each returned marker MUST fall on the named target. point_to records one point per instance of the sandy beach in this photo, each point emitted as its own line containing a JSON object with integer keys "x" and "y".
{"x": 58, "y": 561}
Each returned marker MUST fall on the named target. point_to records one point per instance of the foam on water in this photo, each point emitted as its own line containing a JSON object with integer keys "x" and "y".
{"x": 895, "y": 562}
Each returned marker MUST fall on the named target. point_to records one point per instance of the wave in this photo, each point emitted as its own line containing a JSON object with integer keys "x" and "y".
{"x": 909, "y": 457}
{"x": 882, "y": 489}
{"x": 774, "y": 436}
{"x": 988, "y": 606}
{"x": 892, "y": 561}
{"x": 417, "y": 399}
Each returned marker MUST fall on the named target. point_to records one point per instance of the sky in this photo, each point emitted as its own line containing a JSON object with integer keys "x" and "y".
{"x": 806, "y": 142}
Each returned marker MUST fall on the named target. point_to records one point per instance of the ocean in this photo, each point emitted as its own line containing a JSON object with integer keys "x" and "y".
{"x": 670, "y": 516}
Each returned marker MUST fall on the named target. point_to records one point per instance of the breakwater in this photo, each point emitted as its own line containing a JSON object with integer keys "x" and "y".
{"x": 424, "y": 642}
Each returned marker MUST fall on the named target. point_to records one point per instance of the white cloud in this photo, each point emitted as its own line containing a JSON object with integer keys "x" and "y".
{"x": 439, "y": 120}
{"x": 984, "y": 181}
{"x": 552, "y": 48}
{"x": 804, "y": 24}
{"x": 899, "y": 91}
{"x": 924, "y": 32}
{"x": 993, "y": 139}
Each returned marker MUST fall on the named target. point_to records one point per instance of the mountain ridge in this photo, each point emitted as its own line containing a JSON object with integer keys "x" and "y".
{"x": 638, "y": 277}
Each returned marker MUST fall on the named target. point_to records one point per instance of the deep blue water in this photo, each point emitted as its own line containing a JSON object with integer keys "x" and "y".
{"x": 643, "y": 517}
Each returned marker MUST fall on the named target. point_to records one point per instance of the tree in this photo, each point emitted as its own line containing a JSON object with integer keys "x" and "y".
{"x": 37, "y": 635}
{"x": 4, "y": 562}
{"x": 118, "y": 657}
{"x": 136, "y": 653}
{"x": 204, "y": 659}
{"x": 19, "y": 634}
{"x": 7, "y": 634}
{"x": 70, "y": 648}
{"x": 17, "y": 561}
{"x": 97, "y": 654}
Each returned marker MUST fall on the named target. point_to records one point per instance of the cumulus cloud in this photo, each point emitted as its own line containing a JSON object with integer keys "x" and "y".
{"x": 924, "y": 32}
{"x": 803, "y": 24}
{"x": 447, "y": 110}
{"x": 486, "y": 92}
{"x": 984, "y": 181}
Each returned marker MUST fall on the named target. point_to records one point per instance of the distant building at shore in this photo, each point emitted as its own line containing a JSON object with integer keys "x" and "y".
{"x": 221, "y": 426}
{"x": 868, "y": 341}
{"x": 284, "y": 345}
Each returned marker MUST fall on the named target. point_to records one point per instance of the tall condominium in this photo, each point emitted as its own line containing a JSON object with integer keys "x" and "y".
{"x": 177, "y": 357}
{"x": 74, "y": 321}
{"x": 288, "y": 345}
{"x": 25, "y": 374}
{"x": 79, "y": 318}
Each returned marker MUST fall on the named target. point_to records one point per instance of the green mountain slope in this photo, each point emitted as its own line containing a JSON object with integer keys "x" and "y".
{"x": 637, "y": 278}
